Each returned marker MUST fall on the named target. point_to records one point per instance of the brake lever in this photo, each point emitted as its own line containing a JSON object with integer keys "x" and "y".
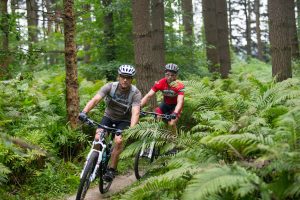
{"x": 89, "y": 122}
{"x": 142, "y": 114}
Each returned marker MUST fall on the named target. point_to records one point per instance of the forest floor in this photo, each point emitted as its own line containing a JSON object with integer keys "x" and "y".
{"x": 120, "y": 182}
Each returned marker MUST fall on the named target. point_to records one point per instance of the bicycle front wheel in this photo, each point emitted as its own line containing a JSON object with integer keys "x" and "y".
{"x": 103, "y": 184}
{"x": 142, "y": 163}
{"x": 85, "y": 179}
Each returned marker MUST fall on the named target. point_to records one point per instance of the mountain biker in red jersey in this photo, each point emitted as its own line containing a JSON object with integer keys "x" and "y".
{"x": 173, "y": 92}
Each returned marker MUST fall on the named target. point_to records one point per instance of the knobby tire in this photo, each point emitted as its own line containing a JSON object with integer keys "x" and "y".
{"x": 142, "y": 164}
{"x": 85, "y": 180}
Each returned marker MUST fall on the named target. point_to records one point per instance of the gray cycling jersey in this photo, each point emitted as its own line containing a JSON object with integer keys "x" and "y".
{"x": 115, "y": 109}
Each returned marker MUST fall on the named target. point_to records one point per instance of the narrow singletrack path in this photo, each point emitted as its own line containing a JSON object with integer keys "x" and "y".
{"x": 120, "y": 182}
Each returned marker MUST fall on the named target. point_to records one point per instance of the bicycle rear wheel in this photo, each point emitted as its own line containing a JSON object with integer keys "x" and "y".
{"x": 85, "y": 179}
{"x": 103, "y": 184}
{"x": 142, "y": 163}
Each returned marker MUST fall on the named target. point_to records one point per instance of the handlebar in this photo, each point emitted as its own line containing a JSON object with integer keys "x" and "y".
{"x": 91, "y": 122}
{"x": 154, "y": 114}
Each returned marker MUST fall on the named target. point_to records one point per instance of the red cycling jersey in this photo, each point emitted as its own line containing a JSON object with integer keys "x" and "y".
{"x": 170, "y": 93}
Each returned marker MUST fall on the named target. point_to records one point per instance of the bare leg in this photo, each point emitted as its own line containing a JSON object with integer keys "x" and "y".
{"x": 172, "y": 125}
{"x": 116, "y": 152}
{"x": 98, "y": 132}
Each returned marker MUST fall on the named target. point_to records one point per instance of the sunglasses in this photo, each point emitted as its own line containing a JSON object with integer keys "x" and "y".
{"x": 126, "y": 77}
{"x": 170, "y": 74}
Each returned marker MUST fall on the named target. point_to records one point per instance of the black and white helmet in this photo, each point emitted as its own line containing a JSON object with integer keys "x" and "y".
{"x": 126, "y": 70}
{"x": 171, "y": 67}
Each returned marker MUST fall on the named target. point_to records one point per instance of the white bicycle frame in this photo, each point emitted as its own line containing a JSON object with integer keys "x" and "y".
{"x": 93, "y": 175}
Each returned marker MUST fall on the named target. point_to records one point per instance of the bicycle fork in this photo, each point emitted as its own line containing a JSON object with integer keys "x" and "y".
{"x": 100, "y": 153}
{"x": 151, "y": 149}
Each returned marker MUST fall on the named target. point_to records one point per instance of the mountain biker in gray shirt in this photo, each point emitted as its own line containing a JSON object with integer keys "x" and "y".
{"x": 123, "y": 102}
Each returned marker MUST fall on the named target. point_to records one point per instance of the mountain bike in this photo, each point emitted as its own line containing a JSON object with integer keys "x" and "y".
{"x": 146, "y": 156}
{"x": 97, "y": 160}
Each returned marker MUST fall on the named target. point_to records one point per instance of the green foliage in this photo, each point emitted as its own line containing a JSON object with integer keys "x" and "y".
{"x": 243, "y": 143}
{"x": 4, "y": 171}
{"x": 54, "y": 179}
{"x": 106, "y": 71}
{"x": 224, "y": 179}
{"x": 34, "y": 135}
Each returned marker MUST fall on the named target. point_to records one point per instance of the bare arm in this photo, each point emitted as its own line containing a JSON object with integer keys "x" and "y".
{"x": 92, "y": 103}
{"x": 180, "y": 100}
{"x": 135, "y": 115}
{"x": 147, "y": 97}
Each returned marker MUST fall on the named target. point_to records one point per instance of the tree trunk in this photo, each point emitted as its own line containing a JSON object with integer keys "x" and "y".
{"x": 247, "y": 11}
{"x": 50, "y": 18}
{"x": 87, "y": 45}
{"x": 223, "y": 44}
{"x": 13, "y": 6}
{"x": 142, "y": 46}
{"x": 4, "y": 50}
{"x": 279, "y": 39}
{"x": 188, "y": 23}
{"x": 293, "y": 29}
{"x": 158, "y": 37}
{"x": 211, "y": 36}
{"x": 298, "y": 15}
{"x": 109, "y": 36}
{"x": 230, "y": 20}
{"x": 258, "y": 31}
{"x": 72, "y": 98}
{"x": 57, "y": 16}
{"x": 32, "y": 22}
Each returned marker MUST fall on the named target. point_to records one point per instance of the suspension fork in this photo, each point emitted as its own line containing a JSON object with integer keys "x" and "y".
{"x": 100, "y": 153}
{"x": 151, "y": 149}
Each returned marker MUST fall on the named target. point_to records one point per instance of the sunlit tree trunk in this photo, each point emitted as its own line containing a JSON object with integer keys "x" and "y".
{"x": 279, "y": 39}
{"x": 142, "y": 46}
{"x": 211, "y": 34}
{"x": 223, "y": 43}
{"x": 258, "y": 31}
{"x": 109, "y": 36}
{"x": 158, "y": 40}
{"x": 293, "y": 29}
{"x": 4, "y": 49}
{"x": 72, "y": 98}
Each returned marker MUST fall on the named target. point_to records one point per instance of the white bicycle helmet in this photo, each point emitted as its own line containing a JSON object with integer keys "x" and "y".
{"x": 171, "y": 67}
{"x": 126, "y": 70}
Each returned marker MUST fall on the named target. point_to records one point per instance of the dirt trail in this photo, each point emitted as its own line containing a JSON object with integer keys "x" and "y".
{"x": 118, "y": 184}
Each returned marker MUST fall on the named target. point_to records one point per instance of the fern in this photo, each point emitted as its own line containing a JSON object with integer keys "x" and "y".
{"x": 155, "y": 186}
{"x": 219, "y": 179}
{"x": 293, "y": 191}
{"x": 4, "y": 171}
{"x": 246, "y": 142}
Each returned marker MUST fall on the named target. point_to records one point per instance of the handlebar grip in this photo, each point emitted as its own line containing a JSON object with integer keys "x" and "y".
{"x": 118, "y": 132}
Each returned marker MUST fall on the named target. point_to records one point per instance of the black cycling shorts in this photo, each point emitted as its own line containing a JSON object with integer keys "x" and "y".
{"x": 165, "y": 108}
{"x": 117, "y": 124}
